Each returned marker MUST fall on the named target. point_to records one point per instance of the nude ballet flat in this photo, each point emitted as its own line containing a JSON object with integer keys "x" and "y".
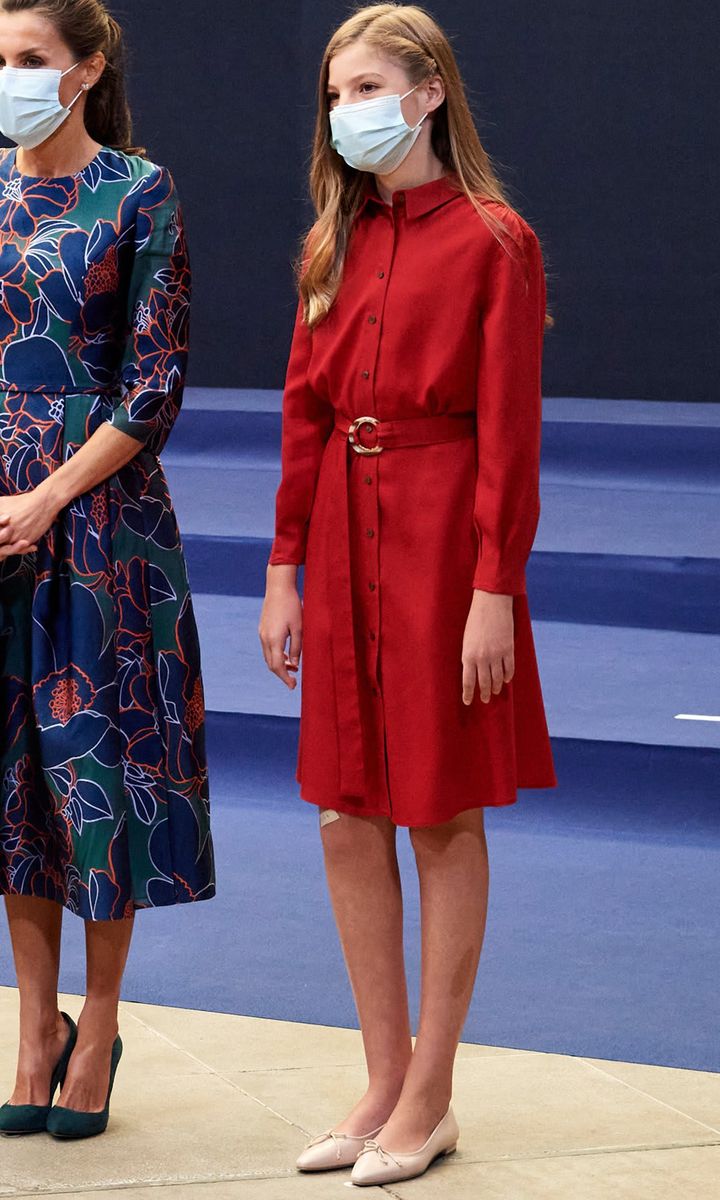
{"x": 329, "y": 1151}
{"x": 376, "y": 1165}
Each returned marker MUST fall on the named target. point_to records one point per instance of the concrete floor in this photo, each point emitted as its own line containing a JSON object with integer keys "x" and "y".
{"x": 209, "y": 1106}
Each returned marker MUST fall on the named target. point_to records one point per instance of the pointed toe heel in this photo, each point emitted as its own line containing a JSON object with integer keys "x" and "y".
{"x": 72, "y": 1123}
{"x": 16, "y": 1120}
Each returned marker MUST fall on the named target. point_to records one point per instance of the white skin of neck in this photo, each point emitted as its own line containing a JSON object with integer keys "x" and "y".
{"x": 359, "y": 73}
{"x": 31, "y": 40}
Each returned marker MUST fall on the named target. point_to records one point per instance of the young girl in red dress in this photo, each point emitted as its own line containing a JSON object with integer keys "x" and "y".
{"x": 410, "y": 492}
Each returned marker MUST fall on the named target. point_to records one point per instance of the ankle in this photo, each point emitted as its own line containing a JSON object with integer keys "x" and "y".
{"x": 99, "y": 1017}
{"x": 384, "y": 1093}
{"x": 427, "y": 1094}
{"x": 96, "y": 1041}
{"x": 39, "y": 1027}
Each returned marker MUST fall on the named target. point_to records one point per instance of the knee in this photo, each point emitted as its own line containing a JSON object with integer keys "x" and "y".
{"x": 347, "y": 840}
{"x": 354, "y": 839}
{"x": 428, "y": 841}
{"x": 336, "y": 834}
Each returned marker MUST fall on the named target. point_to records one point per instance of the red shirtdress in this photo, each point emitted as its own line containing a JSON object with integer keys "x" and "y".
{"x": 433, "y": 316}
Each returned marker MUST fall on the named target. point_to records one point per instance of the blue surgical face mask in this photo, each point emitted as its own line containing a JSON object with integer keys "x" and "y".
{"x": 30, "y": 108}
{"x": 373, "y": 135}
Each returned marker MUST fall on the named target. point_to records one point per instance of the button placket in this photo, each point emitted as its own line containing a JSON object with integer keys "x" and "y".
{"x": 368, "y": 549}
{"x": 372, "y": 316}
{"x": 365, "y": 483}
{"x": 372, "y": 598}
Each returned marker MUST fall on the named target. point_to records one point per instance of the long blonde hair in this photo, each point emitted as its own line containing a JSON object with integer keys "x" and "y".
{"x": 408, "y": 35}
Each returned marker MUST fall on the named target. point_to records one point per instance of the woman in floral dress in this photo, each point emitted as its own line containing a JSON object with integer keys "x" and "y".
{"x": 104, "y": 803}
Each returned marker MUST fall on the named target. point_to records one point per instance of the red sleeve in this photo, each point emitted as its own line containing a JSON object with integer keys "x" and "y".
{"x": 307, "y": 422}
{"x": 509, "y": 414}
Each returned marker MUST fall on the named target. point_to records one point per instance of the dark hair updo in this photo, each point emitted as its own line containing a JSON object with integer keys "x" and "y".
{"x": 86, "y": 27}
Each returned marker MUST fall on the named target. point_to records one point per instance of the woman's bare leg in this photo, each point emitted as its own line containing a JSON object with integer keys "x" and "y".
{"x": 35, "y": 925}
{"x": 453, "y": 869}
{"x": 364, "y": 884}
{"x": 107, "y": 944}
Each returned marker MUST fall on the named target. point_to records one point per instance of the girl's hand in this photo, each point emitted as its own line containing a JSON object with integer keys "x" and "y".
{"x": 23, "y": 521}
{"x": 281, "y": 618}
{"x": 488, "y": 657}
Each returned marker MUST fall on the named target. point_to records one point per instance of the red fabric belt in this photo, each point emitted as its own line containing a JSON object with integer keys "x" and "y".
{"x": 367, "y": 436}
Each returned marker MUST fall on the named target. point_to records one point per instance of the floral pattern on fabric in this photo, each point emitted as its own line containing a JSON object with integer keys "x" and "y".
{"x": 104, "y": 796}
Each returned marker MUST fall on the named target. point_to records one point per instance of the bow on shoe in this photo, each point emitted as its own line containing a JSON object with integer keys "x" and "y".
{"x": 385, "y": 1155}
{"x": 322, "y": 1137}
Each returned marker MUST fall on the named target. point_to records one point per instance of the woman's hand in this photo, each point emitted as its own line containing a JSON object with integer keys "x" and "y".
{"x": 25, "y": 518}
{"x": 281, "y": 618}
{"x": 488, "y": 656}
{"x": 23, "y": 521}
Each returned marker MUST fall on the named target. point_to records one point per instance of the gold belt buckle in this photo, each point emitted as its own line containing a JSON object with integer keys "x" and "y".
{"x": 357, "y": 424}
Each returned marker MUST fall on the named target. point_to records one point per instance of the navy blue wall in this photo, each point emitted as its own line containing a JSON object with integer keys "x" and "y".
{"x": 597, "y": 114}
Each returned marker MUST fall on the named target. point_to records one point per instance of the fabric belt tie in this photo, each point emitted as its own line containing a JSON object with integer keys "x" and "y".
{"x": 368, "y": 436}
{"x": 72, "y": 389}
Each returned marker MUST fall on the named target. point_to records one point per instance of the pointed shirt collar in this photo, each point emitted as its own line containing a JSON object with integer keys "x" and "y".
{"x": 417, "y": 200}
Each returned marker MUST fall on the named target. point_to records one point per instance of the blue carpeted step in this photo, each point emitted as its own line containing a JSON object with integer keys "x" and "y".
{"x": 636, "y": 556}
{"x": 599, "y": 683}
{"x": 605, "y": 589}
{"x": 579, "y": 517}
{"x": 619, "y": 787}
{"x": 628, "y": 531}
{"x": 611, "y": 441}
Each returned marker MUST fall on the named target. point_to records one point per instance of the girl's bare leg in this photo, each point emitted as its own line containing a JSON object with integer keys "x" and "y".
{"x": 364, "y": 885}
{"x": 453, "y": 870}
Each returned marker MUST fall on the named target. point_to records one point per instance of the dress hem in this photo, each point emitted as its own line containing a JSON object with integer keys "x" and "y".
{"x": 137, "y": 905}
{"x": 341, "y": 806}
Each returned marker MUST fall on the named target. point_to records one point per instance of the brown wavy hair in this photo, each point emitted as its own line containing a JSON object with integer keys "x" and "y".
{"x": 409, "y": 36}
{"x": 86, "y": 27}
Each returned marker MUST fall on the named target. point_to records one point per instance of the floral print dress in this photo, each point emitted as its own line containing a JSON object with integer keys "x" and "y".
{"x": 104, "y": 803}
